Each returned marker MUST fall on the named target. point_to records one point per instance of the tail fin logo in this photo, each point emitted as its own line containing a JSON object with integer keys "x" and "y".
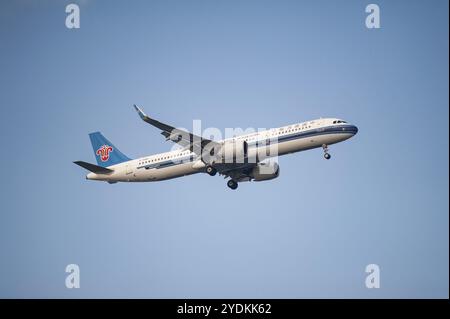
{"x": 103, "y": 152}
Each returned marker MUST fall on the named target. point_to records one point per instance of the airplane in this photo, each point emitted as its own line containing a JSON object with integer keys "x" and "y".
{"x": 249, "y": 157}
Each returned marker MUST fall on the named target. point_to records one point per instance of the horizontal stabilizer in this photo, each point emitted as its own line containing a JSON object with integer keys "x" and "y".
{"x": 94, "y": 168}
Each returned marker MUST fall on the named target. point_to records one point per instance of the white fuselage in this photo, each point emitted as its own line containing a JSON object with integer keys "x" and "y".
{"x": 287, "y": 139}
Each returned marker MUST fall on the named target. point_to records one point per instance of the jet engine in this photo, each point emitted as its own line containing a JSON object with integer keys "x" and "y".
{"x": 175, "y": 137}
{"x": 265, "y": 171}
{"x": 234, "y": 152}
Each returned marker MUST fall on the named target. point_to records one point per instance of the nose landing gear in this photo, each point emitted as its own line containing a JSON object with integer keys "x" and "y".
{"x": 326, "y": 154}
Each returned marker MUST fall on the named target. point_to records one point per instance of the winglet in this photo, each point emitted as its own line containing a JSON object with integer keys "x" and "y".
{"x": 140, "y": 112}
{"x": 149, "y": 120}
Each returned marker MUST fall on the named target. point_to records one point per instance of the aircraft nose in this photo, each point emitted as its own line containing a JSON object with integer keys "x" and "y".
{"x": 354, "y": 129}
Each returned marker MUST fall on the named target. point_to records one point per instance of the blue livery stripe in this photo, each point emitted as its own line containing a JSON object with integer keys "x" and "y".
{"x": 337, "y": 129}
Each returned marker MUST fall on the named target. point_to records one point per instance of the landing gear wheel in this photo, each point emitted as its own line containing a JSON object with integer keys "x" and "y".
{"x": 211, "y": 170}
{"x": 232, "y": 184}
{"x": 325, "y": 149}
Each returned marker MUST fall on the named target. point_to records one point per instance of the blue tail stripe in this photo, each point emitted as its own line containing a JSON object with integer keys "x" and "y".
{"x": 105, "y": 152}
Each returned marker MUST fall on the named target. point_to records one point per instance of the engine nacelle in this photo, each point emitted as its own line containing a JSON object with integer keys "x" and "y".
{"x": 265, "y": 171}
{"x": 234, "y": 152}
{"x": 175, "y": 137}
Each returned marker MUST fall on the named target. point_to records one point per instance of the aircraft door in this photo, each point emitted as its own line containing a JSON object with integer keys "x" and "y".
{"x": 129, "y": 169}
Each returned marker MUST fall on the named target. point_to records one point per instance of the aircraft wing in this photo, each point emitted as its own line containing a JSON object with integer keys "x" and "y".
{"x": 183, "y": 138}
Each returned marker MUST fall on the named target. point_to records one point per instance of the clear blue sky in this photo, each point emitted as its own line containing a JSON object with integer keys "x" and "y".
{"x": 382, "y": 198}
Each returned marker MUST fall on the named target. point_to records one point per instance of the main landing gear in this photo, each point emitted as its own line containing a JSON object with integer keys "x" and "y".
{"x": 325, "y": 149}
{"x": 211, "y": 170}
{"x": 232, "y": 184}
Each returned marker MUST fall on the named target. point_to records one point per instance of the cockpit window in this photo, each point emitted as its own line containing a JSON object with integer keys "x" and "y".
{"x": 339, "y": 121}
